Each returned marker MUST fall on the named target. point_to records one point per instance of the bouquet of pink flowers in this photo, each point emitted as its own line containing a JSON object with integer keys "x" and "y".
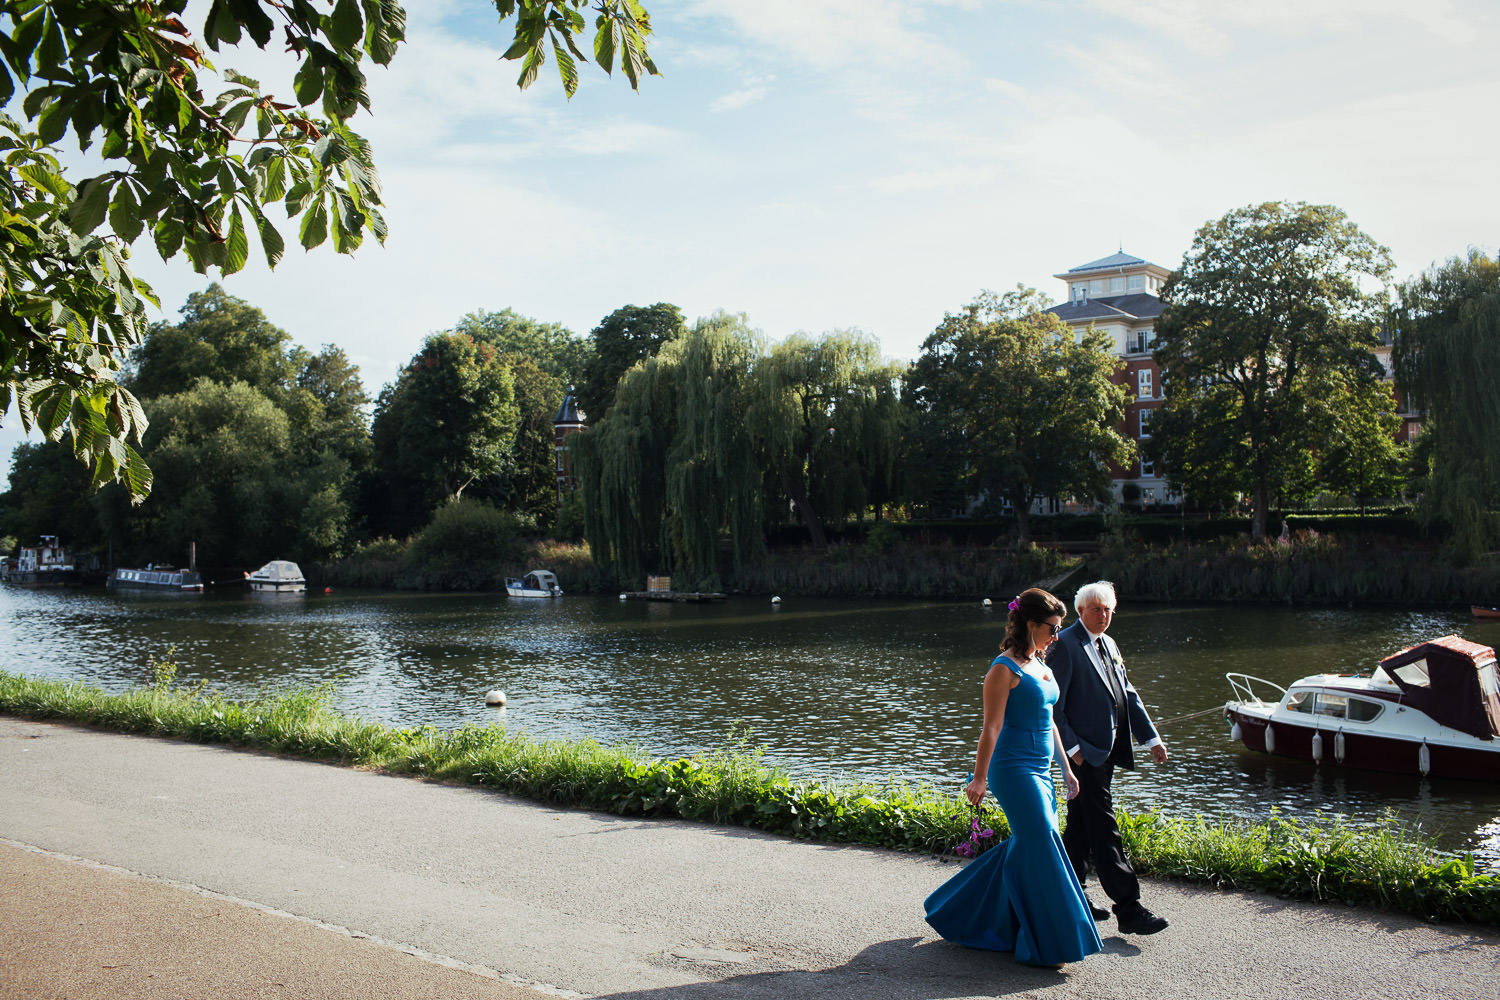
{"x": 978, "y": 833}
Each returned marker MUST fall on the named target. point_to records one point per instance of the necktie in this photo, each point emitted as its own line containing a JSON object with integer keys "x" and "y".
{"x": 1109, "y": 671}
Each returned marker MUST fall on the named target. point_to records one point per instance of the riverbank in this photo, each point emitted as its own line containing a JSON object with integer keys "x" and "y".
{"x": 1386, "y": 868}
{"x": 580, "y": 903}
{"x": 1353, "y": 563}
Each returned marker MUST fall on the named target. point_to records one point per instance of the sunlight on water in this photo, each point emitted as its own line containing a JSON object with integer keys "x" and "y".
{"x": 840, "y": 688}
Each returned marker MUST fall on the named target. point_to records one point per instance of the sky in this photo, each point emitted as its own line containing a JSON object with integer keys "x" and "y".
{"x": 874, "y": 164}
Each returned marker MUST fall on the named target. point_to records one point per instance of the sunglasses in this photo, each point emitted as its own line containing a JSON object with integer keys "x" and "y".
{"x": 1054, "y": 629}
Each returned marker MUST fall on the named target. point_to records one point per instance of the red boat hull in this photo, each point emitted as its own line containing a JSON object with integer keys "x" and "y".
{"x": 1369, "y": 752}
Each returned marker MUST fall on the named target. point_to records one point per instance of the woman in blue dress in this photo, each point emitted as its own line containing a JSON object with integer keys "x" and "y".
{"x": 1021, "y": 895}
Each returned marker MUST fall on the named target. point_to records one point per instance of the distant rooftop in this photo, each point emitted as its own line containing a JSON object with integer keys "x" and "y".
{"x": 1136, "y": 306}
{"x": 1113, "y": 262}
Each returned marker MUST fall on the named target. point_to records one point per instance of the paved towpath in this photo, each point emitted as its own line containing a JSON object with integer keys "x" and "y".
{"x": 134, "y": 867}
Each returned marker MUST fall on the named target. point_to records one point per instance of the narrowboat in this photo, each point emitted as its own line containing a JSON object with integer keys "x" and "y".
{"x": 1430, "y": 709}
{"x": 158, "y": 579}
{"x": 46, "y": 564}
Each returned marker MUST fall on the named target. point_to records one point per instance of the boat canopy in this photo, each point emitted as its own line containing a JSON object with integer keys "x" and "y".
{"x": 540, "y": 579}
{"x": 279, "y": 571}
{"x": 1452, "y": 680}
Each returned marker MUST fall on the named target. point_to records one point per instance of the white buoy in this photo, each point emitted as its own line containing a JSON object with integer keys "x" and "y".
{"x": 1424, "y": 760}
{"x": 495, "y": 697}
{"x": 985, "y": 603}
{"x": 776, "y": 600}
{"x": 1317, "y": 748}
{"x": 1270, "y": 739}
{"x": 1338, "y": 747}
{"x": 1234, "y": 733}
{"x": 623, "y": 596}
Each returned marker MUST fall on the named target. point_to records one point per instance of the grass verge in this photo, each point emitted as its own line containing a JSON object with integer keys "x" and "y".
{"x": 1385, "y": 868}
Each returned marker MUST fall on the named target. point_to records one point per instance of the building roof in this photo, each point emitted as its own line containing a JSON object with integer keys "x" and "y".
{"x": 568, "y": 412}
{"x": 1113, "y": 262}
{"x": 1105, "y": 307}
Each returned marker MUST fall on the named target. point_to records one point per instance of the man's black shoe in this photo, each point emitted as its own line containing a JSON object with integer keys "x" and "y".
{"x": 1141, "y": 921}
{"x": 1099, "y": 912}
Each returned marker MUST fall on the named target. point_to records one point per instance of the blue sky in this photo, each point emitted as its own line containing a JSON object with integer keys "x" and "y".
{"x": 872, "y": 164}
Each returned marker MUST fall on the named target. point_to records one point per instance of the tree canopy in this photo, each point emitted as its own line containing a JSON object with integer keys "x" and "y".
{"x": 194, "y": 170}
{"x": 1271, "y": 319}
{"x": 1447, "y": 357}
{"x": 1028, "y": 408}
{"x": 626, "y": 336}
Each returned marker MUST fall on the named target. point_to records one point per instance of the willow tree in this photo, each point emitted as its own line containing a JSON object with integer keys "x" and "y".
{"x": 668, "y": 471}
{"x": 1273, "y": 304}
{"x": 827, "y": 422}
{"x": 1447, "y": 357}
{"x": 1032, "y": 408}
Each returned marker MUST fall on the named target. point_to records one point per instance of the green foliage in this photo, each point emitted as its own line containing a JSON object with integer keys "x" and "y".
{"x": 670, "y": 466}
{"x": 194, "y": 170}
{"x": 162, "y": 674}
{"x": 1311, "y": 567}
{"x": 826, "y": 418}
{"x": 448, "y": 421}
{"x": 1015, "y": 406}
{"x": 221, "y": 338}
{"x": 1447, "y": 356}
{"x": 467, "y": 546}
{"x": 552, "y": 347}
{"x": 1385, "y": 868}
{"x": 623, "y": 339}
{"x": 1265, "y": 345}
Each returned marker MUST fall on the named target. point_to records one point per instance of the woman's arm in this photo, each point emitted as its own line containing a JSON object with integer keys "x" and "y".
{"x": 1070, "y": 780}
{"x": 997, "y": 685}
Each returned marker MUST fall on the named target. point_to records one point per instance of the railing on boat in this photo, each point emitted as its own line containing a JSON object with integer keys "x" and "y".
{"x": 1244, "y": 686}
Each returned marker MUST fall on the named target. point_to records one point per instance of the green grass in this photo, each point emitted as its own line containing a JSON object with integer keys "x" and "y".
{"x": 1386, "y": 867}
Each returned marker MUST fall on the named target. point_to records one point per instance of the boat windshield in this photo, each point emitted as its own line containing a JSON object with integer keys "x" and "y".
{"x": 1414, "y": 673}
{"x": 1300, "y": 701}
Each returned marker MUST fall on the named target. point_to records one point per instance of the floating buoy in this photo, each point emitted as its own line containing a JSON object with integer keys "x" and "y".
{"x": 1235, "y": 733}
{"x": 495, "y": 697}
{"x": 775, "y": 600}
{"x": 1338, "y": 746}
{"x": 624, "y": 596}
{"x": 1317, "y": 748}
{"x": 985, "y": 603}
{"x": 327, "y": 590}
{"x": 1424, "y": 760}
{"x": 1270, "y": 739}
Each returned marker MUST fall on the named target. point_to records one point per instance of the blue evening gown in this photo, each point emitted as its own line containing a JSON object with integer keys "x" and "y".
{"x": 1021, "y": 895}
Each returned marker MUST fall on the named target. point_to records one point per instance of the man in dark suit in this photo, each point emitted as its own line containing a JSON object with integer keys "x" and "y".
{"x": 1100, "y": 715}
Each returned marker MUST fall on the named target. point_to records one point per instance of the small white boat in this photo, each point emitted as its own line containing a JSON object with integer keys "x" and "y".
{"x": 1429, "y": 709}
{"x": 537, "y": 583}
{"x": 278, "y": 576}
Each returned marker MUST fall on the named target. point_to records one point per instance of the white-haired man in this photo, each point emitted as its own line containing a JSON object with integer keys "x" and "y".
{"x": 1100, "y": 715}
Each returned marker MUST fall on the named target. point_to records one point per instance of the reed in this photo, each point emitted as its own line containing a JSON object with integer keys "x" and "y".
{"x": 1388, "y": 867}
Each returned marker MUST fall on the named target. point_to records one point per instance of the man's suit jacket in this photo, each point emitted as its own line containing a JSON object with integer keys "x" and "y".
{"x": 1085, "y": 710}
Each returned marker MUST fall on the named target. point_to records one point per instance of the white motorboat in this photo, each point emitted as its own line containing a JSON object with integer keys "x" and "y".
{"x": 279, "y": 576}
{"x": 537, "y": 583}
{"x": 1429, "y": 709}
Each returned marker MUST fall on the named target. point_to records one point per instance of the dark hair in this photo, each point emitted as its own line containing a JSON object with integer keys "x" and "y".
{"x": 1031, "y": 605}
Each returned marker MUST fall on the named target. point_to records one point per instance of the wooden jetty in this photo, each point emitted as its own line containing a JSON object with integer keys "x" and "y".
{"x": 659, "y": 588}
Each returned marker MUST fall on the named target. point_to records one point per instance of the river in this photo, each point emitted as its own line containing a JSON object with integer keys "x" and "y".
{"x": 829, "y": 688}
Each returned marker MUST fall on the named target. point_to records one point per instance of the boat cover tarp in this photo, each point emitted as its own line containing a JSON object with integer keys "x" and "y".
{"x": 279, "y": 571}
{"x": 1461, "y": 684}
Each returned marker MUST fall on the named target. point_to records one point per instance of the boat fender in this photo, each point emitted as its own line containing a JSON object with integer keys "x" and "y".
{"x": 1317, "y": 748}
{"x": 775, "y": 600}
{"x": 495, "y": 697}
{"x": 985, "y": 603}
{"x": 1270, "y": 739}
{"x": 1338, "y": 746}
{"x": 1235, "y": 733}
{"x": 1424, "y": 760}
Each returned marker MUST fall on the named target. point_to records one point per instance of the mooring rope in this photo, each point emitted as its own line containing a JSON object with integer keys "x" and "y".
{"x": 1190, "y": 715}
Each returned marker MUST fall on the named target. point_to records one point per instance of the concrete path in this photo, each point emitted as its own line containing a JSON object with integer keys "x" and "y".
{"x": 134, "y": 867}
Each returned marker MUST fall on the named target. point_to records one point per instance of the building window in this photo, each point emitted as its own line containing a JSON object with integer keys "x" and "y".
{"x": 1116, "y": 284}
{"x": 1143, "y": 383}
{"x": 1136, "y": 282}
{"x": 1096, "y": 287}
{"x": 1148, "y": 495}
{"x": 1148, "y": 469}
{"x": 1145, "y": 418}
{"x": 1080, "y": 294}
